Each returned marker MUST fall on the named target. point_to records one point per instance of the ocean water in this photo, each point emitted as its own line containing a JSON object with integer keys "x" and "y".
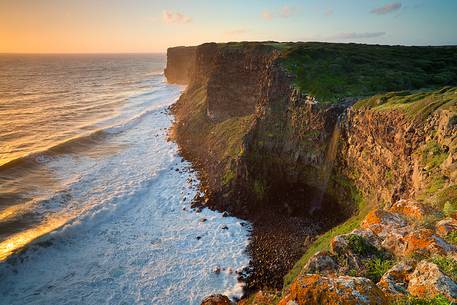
{"x": 94, "y": 200}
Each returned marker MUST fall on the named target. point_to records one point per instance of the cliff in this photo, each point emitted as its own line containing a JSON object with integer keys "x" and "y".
{"x": 180, "y": 62}
{"x": 306, "y": 134}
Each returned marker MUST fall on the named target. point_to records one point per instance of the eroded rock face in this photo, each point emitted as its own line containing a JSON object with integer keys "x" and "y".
{"x": 313, "y": 289}
{"x": 216, "y": 299}
{"x": 428, "y": 281}
{"x": 180, "y": 64}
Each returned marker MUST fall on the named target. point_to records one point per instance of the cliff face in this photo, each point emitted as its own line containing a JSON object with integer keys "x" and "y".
{"x": 180, "y": 61}
{"x": 258, "y": 127}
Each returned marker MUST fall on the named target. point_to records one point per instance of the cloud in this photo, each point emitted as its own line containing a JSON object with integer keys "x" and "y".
{"x": 284, "y": 12}
{"x": 175, "y": 17}
{"x": 328, "y": 12}
{"x": 355, "y": 35}
{"x": 386, "y": 9}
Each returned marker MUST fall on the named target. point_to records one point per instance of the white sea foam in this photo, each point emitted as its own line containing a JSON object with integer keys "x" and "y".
{"x": 128, "y": 240}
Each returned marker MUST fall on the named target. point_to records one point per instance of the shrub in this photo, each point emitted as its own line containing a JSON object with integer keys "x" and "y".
{"x": 452, "y": 238}
{"x": 449, "y": 208}
{"x": 377, "y": 267}
{"x": 361, "y": 246}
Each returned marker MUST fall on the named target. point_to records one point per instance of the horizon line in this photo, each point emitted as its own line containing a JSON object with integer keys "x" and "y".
{"x": 80, "y": 53}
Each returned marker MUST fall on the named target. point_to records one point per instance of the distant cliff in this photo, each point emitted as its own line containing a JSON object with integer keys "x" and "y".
{"x": 310, "y": 130}
{"x": 180, "y": 62}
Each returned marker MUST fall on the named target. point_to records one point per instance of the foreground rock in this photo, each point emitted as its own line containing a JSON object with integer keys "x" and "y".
{"x": 216, "y": 299}
{"x": 428, "y": 281}
{"x": 314, "y": 289}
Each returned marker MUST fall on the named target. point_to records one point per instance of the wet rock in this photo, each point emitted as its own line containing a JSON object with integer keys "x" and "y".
{"x": 446, "y": 226}
{"x": 216, "y": 299}
{"x": 314, "y": 289}
{"x": 321, "y": 263}
{"x": 203, "y": 220}
{"x": 217, "y": 269}
{"x": 224, "y": 227}
{"x": 395, "y": 281}
{"x": 225, "y": 214}
{"x": 428, "y": 281}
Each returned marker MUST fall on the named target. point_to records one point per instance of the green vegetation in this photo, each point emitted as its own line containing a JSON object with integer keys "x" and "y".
{"x": 447, "y": 199}
{"x": 433, "y": 155}
{"x": 438, "y": 300}
{"x": 377, "y": 267}
{"x": 331, "y": 71}
{"x": 229, "y": 175}
{"x": 322, "y": 243}
{"x": 417, "y": 105}
{"x": 452, "y": 238}
{"x": 361, "y": 246}
{"x": 259, "y": 189}
{"x": 448, "y": 265}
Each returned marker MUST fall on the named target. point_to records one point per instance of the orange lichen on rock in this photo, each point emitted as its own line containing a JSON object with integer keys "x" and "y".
{"x": 446, "y": 226}
{"x": 410, "y": 209}
{"x": 314, "y": 289}
{"x": 425, "y": 241}
{"x": 428, "y": 281}
{"x": 382, "y": 222}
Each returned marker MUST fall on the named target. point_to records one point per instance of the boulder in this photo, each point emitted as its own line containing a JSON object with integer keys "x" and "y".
{"x": 395, "y": 281}
{"x": 410, "y": 209}
{"x": 383, "y": 223}
{"x": 446, "y": 226}
{"x": 370, "y": 237}
{"x": 321, "y": 263}
{"x": 426, "y": 242}
{"x": 428, "y": 281}
{"x": 314, "y": 289}
{"x": 216, "y": 299}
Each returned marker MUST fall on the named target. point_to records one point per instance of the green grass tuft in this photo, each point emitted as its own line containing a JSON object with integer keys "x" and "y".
{"x": 377, "y": 267}
{"x": 438, "y": 300}
{"x": 448, "y": 265}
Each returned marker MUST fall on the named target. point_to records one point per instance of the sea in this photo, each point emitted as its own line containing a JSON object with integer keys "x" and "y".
{"x": 95, "y": 199}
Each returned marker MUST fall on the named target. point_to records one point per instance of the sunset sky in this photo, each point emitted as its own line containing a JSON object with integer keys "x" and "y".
{"x": 91, "y": 26}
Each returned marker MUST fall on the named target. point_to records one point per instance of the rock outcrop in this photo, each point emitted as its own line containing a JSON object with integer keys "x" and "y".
{"x": 270, "y": 130}
{"x": 180, "y": 64}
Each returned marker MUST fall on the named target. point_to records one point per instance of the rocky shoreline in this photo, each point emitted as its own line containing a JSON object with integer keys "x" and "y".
{"x": 277, "y": 240}
{"x": 307, "y": 162}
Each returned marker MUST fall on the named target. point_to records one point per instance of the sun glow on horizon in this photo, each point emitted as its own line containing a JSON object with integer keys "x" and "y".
{"x": 151, "y": 26}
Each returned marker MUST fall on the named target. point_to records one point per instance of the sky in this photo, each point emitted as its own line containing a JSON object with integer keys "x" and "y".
{"x": 124, "y": 26}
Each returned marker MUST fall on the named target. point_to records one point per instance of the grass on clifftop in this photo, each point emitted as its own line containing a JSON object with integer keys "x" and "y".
{"x": 419, "y": 104}
{"x": 331, "y": 71}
